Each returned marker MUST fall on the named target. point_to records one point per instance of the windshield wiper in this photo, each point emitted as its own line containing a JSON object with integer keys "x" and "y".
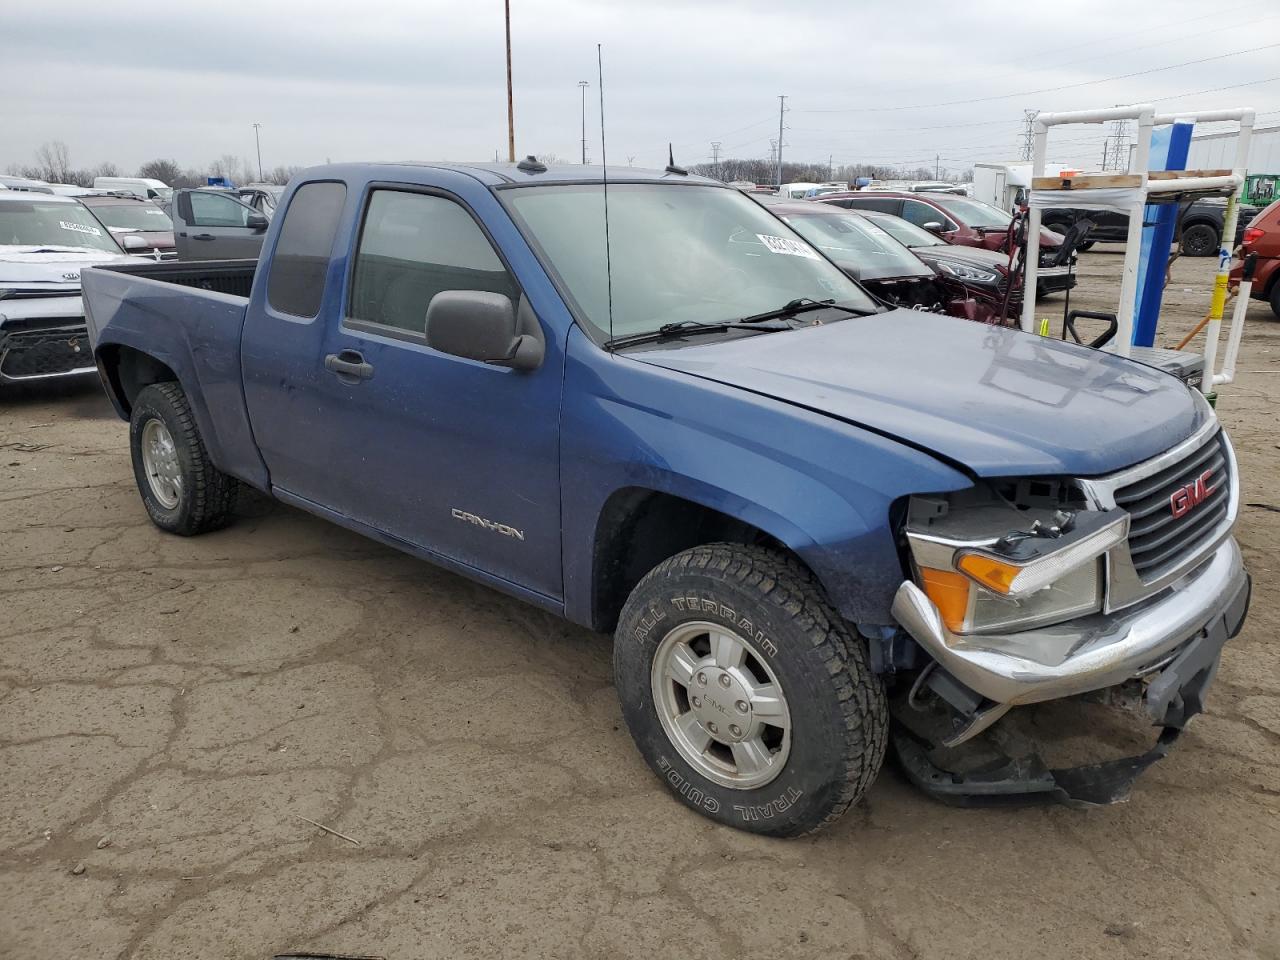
{"x": 802, "y": 305}
{"x": 681, "y": 328}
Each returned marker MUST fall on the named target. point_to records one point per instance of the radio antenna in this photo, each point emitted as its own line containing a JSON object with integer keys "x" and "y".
{"x": 604, "y": 173}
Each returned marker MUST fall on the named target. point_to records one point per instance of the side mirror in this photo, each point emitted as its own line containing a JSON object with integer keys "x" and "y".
{"x": 933, "y": 226}
{"x": 481, "y": 326}
{"x": 256, "y": 222}
{"x": 132, "y": 243}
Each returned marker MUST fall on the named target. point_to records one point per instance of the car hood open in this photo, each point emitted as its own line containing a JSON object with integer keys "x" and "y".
{"x": 993, "y": 400}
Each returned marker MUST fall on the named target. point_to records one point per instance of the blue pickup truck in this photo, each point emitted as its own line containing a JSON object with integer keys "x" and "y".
{"x": 815, "y": 526}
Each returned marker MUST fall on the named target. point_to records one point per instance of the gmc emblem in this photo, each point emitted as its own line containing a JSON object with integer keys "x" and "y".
{"x": 1185, "y": 499}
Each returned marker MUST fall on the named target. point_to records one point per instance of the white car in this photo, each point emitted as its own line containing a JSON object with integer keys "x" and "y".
{"x": 144, "y": 187}
{"x": 45, "y": 241}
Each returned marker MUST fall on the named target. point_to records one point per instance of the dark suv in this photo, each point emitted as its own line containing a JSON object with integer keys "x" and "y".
{"x": 959, "y": 220}
{"x": 1200, "y": 224}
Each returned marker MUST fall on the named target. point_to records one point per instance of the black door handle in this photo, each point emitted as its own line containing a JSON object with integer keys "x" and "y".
{"x": 202, "y": 236}
{"x": 349, "y": 365}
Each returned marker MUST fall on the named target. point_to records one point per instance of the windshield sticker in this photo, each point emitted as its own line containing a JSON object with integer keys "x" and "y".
{"x": 80, "y": 228}
{"x": 791, "y": 248}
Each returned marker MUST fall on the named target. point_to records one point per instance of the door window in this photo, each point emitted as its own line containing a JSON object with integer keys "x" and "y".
{"x": 913, "y": 211}
{"x": 304, "y": 248}
{"x": 413, "y": 246}
{"x": 215, "y": 210}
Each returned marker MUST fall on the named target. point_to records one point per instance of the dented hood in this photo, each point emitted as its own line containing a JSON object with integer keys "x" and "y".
{"x": 996, "y": 401}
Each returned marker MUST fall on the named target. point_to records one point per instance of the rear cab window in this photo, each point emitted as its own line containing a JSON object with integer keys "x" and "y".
{"x": 302, "y": 253}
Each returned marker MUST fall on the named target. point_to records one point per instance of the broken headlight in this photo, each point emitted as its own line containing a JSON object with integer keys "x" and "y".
{"x": 1011, "y": 555}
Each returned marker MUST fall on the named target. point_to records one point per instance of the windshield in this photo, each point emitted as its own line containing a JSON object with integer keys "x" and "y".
{"x": 36, "y": 223}
{"x": 857, "y": 244}
{"x": 973, "y": 212}
{"x": 679, "y": 253}
{"x": 144, "y": 216}
{"x": 907, "y": 234}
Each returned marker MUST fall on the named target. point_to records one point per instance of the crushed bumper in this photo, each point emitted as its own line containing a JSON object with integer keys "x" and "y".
{"x": 1173, "y": 694}
{"x": 1089, "y": 653}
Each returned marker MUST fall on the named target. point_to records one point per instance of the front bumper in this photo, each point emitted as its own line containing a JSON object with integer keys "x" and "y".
{"x": 1054, "y": 280}
{"x": 1088, "y": 653}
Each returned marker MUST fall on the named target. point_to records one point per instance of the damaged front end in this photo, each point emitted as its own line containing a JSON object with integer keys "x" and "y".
{"x": 1036, "y": 591}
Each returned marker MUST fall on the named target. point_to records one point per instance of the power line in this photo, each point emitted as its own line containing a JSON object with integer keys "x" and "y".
{"x": 1067, "y": 86}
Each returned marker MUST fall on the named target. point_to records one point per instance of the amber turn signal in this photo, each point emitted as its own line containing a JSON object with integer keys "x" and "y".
{"x": 991, "y": 573}
{"x": 949, "y": 592}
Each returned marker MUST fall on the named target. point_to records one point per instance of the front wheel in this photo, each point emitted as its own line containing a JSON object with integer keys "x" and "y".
{"x": 746, "y": 692}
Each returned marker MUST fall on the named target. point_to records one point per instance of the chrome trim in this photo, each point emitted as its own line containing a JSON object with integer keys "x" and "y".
{"x": 1087, "y": 653}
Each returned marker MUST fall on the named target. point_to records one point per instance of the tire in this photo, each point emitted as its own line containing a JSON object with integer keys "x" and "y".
{"x": 1200, "y": 240}
{"x": 1088, "y": 244}
{"x": 1275, "y": 297}
{"x": 832, "y": 719}
{"x": 183, "y": 491}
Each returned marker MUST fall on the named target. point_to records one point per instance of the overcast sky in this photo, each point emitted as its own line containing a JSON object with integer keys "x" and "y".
{"x": 866, "y": 80}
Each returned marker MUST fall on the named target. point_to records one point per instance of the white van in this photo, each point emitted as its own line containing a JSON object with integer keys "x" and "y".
{"x": 143, "y": 187}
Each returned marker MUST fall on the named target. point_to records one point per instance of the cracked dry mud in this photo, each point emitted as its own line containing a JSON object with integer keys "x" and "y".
{"x": 190, "y": 700}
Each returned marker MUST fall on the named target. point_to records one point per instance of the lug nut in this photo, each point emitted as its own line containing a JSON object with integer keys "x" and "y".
{"x": 696, "y": 701}
{"x": 702, "y": 679}
{"x": 712, "y": 728}
{"x": 735, "y": 729}
{"x": 742, "y": 706}
{"x": 724, "y": 680}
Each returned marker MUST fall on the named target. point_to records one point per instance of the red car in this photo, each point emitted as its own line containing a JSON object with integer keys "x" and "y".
{"x": 958, "y": 220}
{"x": 1262, "y": 237}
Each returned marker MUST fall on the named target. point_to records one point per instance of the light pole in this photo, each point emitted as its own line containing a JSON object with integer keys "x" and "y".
{"x": 582, "y": 85}
{"x": 258, "y": 143}
{"x": 511, "y": 110}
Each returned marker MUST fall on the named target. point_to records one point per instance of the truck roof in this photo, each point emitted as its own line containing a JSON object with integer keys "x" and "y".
{"x": 498, "y": 174}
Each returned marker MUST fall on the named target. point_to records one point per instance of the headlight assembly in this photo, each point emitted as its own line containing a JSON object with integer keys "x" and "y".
{"x": 962, "y": 271}
{"x": 1028, "y": 556}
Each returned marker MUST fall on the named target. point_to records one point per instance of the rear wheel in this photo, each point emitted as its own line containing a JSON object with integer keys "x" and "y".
{"x": 746, "y": 692}
{"x": 1275, "y": 297}
{"x": 183, "y": 491}
{"x": 1199, "y": 240}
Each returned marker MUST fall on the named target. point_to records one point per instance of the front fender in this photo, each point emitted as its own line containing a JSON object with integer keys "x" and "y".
{"x": 822, "y": 487}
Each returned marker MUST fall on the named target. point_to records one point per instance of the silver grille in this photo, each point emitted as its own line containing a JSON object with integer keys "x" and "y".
{"x": 1157, "y": 539}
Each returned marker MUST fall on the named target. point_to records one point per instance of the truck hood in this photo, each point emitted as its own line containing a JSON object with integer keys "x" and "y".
{"x": 996, "y": 401}
{"x": 48, "y": 268}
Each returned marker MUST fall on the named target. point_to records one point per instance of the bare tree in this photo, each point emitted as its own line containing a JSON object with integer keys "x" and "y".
{"x": 53, "y": 160}
{"x": 107, "y": 169}
{"x": 282, "y": 174}
{"x": 166, "y": 171}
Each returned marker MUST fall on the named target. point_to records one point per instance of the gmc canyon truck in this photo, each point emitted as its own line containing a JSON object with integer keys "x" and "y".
{"x": 799, "y": 513}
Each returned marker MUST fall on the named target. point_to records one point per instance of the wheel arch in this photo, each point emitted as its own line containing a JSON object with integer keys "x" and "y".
{"x": 639, "y": 527}
{"x": 127, "y": 370}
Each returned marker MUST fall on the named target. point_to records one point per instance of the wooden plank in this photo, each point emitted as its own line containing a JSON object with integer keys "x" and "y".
{"x": 1183, "y": 174}
{"x": 1087, "y": 181}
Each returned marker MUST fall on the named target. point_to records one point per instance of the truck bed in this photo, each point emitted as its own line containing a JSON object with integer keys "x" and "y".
{"x": 234, "y": 277}
{"x": 189, "y": 317}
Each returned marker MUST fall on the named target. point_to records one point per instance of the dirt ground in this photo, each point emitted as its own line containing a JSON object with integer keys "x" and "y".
{"x": 171, "y": 710}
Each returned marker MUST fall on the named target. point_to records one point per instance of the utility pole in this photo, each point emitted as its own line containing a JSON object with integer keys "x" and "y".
{"x": 782, "y": 109}
{"x": 935, "y": 167}
{"x": 830, "y": 167}
{"x": 511, "y": 110}
{"x": 1116, "y": 147}
{"x": 715, "y": 157}
{"x": 258, "y": 143}
{"x": 1028, "y": 132}
{"x": 582, "y": 85}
